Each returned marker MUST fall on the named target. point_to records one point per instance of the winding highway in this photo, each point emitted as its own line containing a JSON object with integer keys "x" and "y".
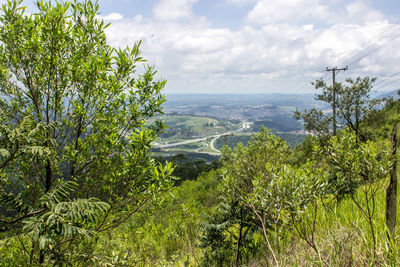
{"x": 212, "y": 142}
{"x": 215, "y": 137}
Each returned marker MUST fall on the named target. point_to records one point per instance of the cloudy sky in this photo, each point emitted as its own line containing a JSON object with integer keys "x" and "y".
{"x": 259, "y": 46}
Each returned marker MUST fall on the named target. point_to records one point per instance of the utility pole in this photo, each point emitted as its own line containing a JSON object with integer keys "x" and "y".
{"x": 335, "y": 71}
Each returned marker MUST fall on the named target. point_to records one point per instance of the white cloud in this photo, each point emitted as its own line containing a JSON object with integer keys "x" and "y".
{"x": 297, "y": 11}
{"x": 280, "y": 11}
{"x": 308, "y": 27}
{"x": 240, "y": 2}
{"x": 111, "y": 17}
{"x": 204, "y": 41}
{"x": 194, "y": 56}
{"x": 138, "y": 18}
{"x": 358, "y": 12}
{"x": 173, "y": 9}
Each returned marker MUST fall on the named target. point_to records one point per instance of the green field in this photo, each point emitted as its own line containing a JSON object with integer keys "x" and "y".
{"x": 183, "y": 127}
{"x": 186, "y": 127}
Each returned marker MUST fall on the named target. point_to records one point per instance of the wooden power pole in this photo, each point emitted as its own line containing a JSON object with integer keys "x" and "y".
{"x": 335, "y": 71}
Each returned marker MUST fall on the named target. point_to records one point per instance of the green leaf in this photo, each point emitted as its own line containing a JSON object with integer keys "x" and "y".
{"x": 4, "y": 153}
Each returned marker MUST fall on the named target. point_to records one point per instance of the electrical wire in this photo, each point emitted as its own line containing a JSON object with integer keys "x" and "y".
{"x": 379, "y": 46}
{"x": 386, "y": 79}
{"x": 368, "y": 48}
{"x": 365, "y": 46}
{"x": 385, "y": 85}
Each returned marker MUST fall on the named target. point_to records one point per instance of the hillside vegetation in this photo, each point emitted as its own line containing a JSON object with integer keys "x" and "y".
{"x": 268, "y": 204}
{"x": 80, "y": 185}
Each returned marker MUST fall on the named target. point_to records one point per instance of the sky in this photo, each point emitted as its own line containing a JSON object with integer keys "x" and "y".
{"x": 259, "y": 46}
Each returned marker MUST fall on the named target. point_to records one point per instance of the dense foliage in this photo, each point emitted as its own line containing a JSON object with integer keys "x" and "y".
{"x": 74, "y": 142}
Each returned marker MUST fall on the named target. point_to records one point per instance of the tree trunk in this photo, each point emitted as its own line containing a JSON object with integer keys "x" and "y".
{"x": 239, "y": 244}
{"x": 391, "y": 191}
{"x": 264, "y": 228}
{"x": 41, "y": 257}
{"x": 48, "y": 176}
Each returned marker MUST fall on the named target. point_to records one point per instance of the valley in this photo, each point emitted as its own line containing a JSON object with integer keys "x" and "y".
{"x": 201, "y": 125}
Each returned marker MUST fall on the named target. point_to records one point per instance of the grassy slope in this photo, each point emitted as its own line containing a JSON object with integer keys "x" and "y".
{"x": 343, "y": 235}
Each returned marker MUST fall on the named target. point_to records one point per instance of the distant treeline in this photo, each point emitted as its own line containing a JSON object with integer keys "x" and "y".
{"x": 282, "y": 125}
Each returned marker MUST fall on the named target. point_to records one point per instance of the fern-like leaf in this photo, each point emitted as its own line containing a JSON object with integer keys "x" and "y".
{"x": 82, "y": 210}
{"x": 65, "y": 219}
{"x": 58, "y": 194}
{"x": 13, "y": 202}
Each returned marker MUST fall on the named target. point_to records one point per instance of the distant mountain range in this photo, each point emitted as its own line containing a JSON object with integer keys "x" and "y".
{"x": 250, "y": 100}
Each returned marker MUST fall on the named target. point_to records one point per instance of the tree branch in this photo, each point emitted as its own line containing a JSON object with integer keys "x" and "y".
{"x": 30, "y": 214}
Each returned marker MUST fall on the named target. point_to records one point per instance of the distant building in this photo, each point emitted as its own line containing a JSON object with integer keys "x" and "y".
{"x": 246, "y": 125}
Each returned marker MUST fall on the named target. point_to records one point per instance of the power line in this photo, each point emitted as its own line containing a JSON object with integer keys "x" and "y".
{"x": 369, "y": 44}
{"x": 365, "y": 46}
{"x": 386, "y": 79}
{"x": 388, "y": 83}
{"x": 375, "y": 44}
{"x": 369, "y": 47}
{"x": 374, "y": 49}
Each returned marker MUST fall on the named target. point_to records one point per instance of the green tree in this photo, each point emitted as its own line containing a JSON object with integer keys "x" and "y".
{"x": 361, "y": 167}
{"x": 227, "y": 235}
{"x": 242, "y": 168}
{"x": 263, "y": 193}
{"x": 352, "y": 103}
{"x": 74, "y": 113}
